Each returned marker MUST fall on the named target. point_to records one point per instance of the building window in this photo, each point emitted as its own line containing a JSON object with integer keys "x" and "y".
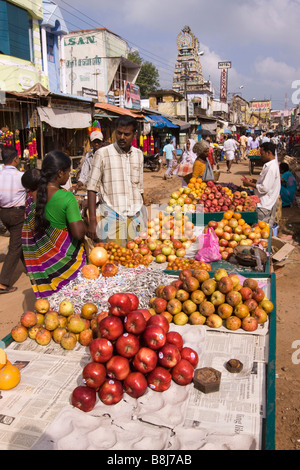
{"x": 14, "y": 27}
{"x": 50, "y": 47}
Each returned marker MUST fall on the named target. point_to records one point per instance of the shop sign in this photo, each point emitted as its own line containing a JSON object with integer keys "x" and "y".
{"x": 132, "y": 97}
{"x": 89, "y": 92}
{"x": 223, "y": 92}
{"x": 224, "y": 65}
{"x": 77, "y": 41}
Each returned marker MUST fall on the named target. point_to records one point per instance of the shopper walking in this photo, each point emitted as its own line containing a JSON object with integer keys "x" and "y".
{"x": 229, "y": 148}
{"x": 169, "y": 153}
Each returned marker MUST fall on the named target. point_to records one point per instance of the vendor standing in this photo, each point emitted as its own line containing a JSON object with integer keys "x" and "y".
{"x": 117, "y": 175}
{"x": 267, "y": 185}
{"x": 96, "y": 139}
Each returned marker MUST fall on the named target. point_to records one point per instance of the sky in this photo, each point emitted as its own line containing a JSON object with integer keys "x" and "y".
{"x": 261, "y": 38}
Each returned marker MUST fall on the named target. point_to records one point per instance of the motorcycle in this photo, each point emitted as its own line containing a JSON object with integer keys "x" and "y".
{"x": 152, "y": 162}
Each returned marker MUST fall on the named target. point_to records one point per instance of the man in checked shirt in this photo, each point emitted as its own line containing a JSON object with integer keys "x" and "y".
{"x": 117, "y": 175}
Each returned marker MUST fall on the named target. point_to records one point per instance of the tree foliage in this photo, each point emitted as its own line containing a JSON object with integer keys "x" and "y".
{"x": 148, "y": 78}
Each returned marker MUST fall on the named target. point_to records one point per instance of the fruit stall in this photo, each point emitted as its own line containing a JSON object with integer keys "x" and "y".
{"x": 147, "y": 329}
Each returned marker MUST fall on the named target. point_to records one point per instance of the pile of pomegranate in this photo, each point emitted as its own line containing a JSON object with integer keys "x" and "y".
{"x": 134, "y": 350}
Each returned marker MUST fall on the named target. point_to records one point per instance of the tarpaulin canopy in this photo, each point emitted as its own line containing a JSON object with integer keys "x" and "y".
{"x": 160, "y": 122}
{"x": 61, "y": 118}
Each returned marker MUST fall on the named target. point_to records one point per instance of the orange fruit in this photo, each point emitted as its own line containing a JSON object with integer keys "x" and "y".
{"x": 9, "y": 376}
{"x": 242, "y": 222}
{"x": 3, "y": 358}
{"x": 90, "y": 271}
{"x": 262, "y": 224}
{"x": 237, "y": 215}
{"x": 228, "y": 214}
{"x": 193, "y": 180}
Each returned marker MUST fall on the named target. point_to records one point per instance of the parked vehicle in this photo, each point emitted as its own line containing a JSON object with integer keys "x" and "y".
{"x": 153, "y": 162}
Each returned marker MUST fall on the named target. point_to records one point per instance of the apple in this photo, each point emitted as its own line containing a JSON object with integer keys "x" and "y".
{"x": 177, "y": 284}
{"x": 42, "y": 306}
{"x": 206, "y": 308}
{"x": 174, "y": 337}
{"x": 68, "y": 340}
{"x": 127, "y": 345}
{"x": 154, "y": 337}
{"x": 249, "y": 282}
{"x": 267, "y": 305}
{"x": 111, "y": 392}
{"x": 214, "y": 321}
{"x": 145, "y": 360}
{"x": 246, "y": 293}
{"x": 159, "y": 304}
{"x": 258, "y": 294}
{"x": 158, "y": 290}
{"x": 241, "y": 311}
{"x": 251, "y": 304}
{"x": 119, "y": 304}
{"x": 94, "y": 375}
{"x": 190, "y": 284}
{"x": 183, "y": 372}
{"x": 168, "y": 292}
{"x": 85, "y": 336}
{"x": 88, "y": 309}
{"x": 182, "y": 295}
{"x": 225, "y": 284}
{"x": 19, "y": 333}
{"x": 180, "y": 318}
{"x": 40, "y": 318}
{"x": 197, "y": 296}
{"x": 57, "y": 334}
{"x": 196, "y": 318}
{"x": 201, "y": 275}
{"x": 84, "y": 398}
{"x": 145, "y": 312}
{"x": 224, "y": 311}
{"x": 101, "y": 350}
{"x": 233, "y": 298}
{"x": 62, "y": 321}
{"x": 260, "y": 315}
{"x": 174, "y": 306}
{"x": 66, "y": 308}
{"x": 75, "y": 323}
{"x": 110, "y": 327}
{"x": 219, "y": 273}
{"x": 135, "y": 384}
{"x": 233, "y": 323}
{"x": 184, "y": 273}
{"x": 43, "y": 336}
{"x": 135, "y": 322}
{"x": 208, "y": 286}
{"x": 28, "y": 319}
{"x": 118, "y": 367}
{"x": 169, "y": 355}
{"x": 249, "y": 324}
{"x": 159, "y": 379}
{"x": 134, "y": 300}
{"x": 190, "y": 355}
{"x": 32, "y": 331}
{"x": 159, "y": 320}
{"x": 217, "y": 298}
{"x": 160, "y": 258}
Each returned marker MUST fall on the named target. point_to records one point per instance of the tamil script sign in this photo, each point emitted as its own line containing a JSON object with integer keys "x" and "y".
{"x": 260, "y": 107}
{"x": 226, "y": 64}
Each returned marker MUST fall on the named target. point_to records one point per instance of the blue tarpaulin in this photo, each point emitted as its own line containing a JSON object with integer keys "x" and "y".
{"x": 161, "y": 122}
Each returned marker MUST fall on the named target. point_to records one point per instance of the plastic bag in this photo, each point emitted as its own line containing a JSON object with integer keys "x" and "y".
{"x": 208, "y": 247}
{"x": 184, "y": 169}
{"x": 208, "y": 174}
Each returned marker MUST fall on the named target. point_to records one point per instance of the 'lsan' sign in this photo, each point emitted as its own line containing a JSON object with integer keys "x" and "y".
{"x": 77, "y": 41}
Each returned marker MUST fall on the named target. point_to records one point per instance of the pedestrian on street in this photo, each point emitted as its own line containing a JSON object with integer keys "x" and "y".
{"x": 254, "y": 144}
{"x": 97, "y": 142}
{"x": 243, "y": 146}
{"x": 117, "y": 174}
{"x": 53, "y": 231}
{"x": 267, "y": 186}
{"x": 169, "y": 153}
{"x": 12, "y": 210}
{"x": 201, "y": 149}
{"x": 288, "y": 185}
{"x": 188, "y": 158}
{"x": 230, "y": 146}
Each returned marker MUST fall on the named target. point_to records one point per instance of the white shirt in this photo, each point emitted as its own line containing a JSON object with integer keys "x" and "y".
{"x": 12, "y": 192}
{"x": 268, "y": 185}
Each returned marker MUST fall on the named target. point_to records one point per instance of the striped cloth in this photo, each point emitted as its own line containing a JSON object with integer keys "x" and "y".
{"x": 53, "y": 258}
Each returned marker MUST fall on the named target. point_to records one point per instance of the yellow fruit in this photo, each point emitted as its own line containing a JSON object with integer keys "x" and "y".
{"x": 3, "y": 358}
{"x": 9, "y": 376}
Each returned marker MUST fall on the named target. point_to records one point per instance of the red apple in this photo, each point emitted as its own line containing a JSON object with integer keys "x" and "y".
{"x": 249, "y": 282}
{"x": 101, "y": 350}
{"x": 175, "y": 338}
{"x": 135, "y": 384}
{"x": 168, "y": 292}
{"x": 159, "y": 379}
{"x": 190, "y": 355}
{"x": 249, "y": 324}
{"x": 183, "y": 372}
{"x": 159, "y": 304}
{"x": 225, "y": 284}
{"x": 117, "y": 367}
{"x": 145, "y": 312}
{"x": 110, "y": 327}
{"x": 134, "y": 300}
{"x": 251, "y": 304}
{"x": 111, "y": 392}
{"x": 127, "y": 345}
{"x": 28, "y": 319}
{"x": 145, "y": 360}
{"x": 120, "y": 304}
{"x": 246, "y": 293}
{"x": 169, "y": 355}
{"x": 260, "y": 315}
{"x": 258, "y": 294}
{"x": 159, "y": 320}
{"x": 94, "y": 375}
{"x": 154, "y": 337}
{"x": 135, "y": 322}
{"x": 84, "y": 398}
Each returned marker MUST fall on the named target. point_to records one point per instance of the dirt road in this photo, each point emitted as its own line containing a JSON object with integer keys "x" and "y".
{"x": 288, "y": 326}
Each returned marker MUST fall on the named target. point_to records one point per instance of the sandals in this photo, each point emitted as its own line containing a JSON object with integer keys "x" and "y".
{"x": 8, "y": 290}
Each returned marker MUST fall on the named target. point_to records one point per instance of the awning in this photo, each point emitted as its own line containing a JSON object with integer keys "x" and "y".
{"x": 112, "y": 108}
{"x": 61, "y": 118}
{"x": 160, "y": 122}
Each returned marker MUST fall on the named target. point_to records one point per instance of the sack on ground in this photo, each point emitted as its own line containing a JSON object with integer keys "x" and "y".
{"x": 208, "y": 247}
{"x": 184, "y": 169}
{"x": 208, "y": 174}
